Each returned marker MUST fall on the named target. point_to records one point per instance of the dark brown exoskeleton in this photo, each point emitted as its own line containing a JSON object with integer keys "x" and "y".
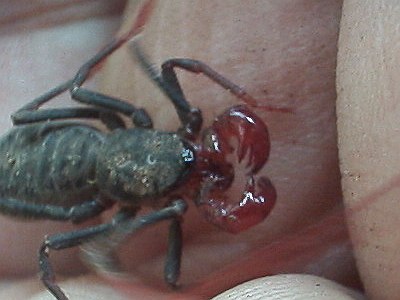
{"x": 52, "y": 168}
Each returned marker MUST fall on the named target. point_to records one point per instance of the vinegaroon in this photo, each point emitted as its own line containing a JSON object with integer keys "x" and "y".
{"x": 65, "y": 170}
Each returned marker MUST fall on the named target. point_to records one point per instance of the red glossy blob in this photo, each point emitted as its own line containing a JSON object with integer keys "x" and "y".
{"x": 236, "y": 146}
{"x": 256, "y": 202}
{"x": 241, "y": 124}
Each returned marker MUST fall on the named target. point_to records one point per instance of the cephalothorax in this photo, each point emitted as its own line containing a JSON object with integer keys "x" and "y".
{"x": 60, "y": 169}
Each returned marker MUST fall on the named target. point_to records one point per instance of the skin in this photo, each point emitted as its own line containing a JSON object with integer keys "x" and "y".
{"x": 367, "y": 119}
{"x": 284, "y": 53}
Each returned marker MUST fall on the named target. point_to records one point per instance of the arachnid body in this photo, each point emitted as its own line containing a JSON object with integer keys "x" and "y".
{"x": 59, "y": 169}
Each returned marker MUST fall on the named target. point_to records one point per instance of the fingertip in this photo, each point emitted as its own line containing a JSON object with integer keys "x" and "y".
{"x": 290, "y": 286}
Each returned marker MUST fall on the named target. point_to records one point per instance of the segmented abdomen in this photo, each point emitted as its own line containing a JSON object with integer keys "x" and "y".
{"x": 51, "y": 163}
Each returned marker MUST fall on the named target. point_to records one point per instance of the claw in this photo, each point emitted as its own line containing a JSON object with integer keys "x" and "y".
{"x": 251, "y": 135}
{"x": 255, "y": 204}
{"x": 241, "y": 134}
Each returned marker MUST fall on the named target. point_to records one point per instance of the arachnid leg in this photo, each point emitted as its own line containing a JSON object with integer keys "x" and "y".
{"x": 69, "y": 240}
{"x": 76, "y": 214}
{"x": 190, "y": 117}
{"x": 139, "y": 116}
{"x": 107, "y": 117}
{"x": 99, "y": 252}
{"x": 107, "y": 107}
{"x": 63, "y": 241}
{"x": 195, "y": 66}
{"x": 30, "y": 112}
{"x": 108, "y": 237}
{"x": 173, "y": 261}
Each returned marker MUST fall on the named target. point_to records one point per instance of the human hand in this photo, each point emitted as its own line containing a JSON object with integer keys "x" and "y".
{"x": 284, "y": 53}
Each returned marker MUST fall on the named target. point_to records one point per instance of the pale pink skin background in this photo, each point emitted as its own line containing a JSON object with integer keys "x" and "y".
{"x": 283, "y": 53}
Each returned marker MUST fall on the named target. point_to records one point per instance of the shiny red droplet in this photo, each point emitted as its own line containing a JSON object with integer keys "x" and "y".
{"x": 241, "y": 124}
{"x": 255, "y": 204}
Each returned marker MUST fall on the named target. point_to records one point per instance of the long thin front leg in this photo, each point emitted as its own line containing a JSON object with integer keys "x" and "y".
{"x": 169, "y": 84}
{"x": 39, "y": 101}
{"x": 189, "y": 116}
{"x": 30, "y": 112}
{"x": 139, "y": 116}
{"x": 107, "y": 107}
{"x": 197, "y": 67}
